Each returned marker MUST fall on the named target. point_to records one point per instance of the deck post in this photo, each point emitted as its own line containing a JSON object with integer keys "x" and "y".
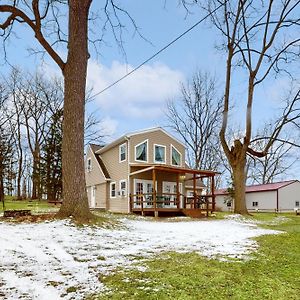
{"x": 177, "y": 189}
{"x": 194, "y": 188}
{"x": 130, "y": 202}
{"x": 142, "y": 205}
{"x": 213, "y": 193}
{"x": 154, "y": 193}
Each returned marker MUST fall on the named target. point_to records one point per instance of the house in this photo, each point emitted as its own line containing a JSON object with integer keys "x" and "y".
{"x": 145, "y": 172}
{"x": 279, "y": 196}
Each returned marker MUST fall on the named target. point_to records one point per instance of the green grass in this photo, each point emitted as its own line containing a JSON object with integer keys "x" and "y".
{"x": 272, "y": 273}
{"x": 34, "y": 205}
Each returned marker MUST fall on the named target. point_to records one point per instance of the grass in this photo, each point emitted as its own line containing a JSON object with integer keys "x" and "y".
{"x": 34, "y": 205}
{"x": 272, "y": 273}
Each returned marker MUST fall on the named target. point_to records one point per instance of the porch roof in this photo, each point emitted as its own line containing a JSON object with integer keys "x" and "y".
{"x": 171, "y": 169}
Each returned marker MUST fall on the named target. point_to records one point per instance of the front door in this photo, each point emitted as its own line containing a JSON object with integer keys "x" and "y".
{"x": 93, "y": 197}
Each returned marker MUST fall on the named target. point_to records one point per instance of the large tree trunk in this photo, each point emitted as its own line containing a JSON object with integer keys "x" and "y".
{"x": 75, "y": 201}
{"x": 239, "y": 179}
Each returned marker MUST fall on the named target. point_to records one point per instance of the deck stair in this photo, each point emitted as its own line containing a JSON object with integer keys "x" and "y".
{"x": 194, "y": 213}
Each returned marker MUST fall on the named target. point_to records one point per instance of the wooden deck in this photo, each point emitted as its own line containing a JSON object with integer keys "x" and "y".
{"x": 168, "y": 205}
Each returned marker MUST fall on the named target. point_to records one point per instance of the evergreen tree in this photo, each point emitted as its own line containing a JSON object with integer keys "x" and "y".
{"x": 51, "y": 163}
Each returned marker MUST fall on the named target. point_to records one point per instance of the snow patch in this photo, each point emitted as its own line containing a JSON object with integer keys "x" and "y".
{"x": 57, "y": 260}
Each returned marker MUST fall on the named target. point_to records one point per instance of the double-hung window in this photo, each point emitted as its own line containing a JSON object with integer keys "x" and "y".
{"x": 89, "y": 165}
{"x": 112, "y": 190}
{"x": 122, "y": 152}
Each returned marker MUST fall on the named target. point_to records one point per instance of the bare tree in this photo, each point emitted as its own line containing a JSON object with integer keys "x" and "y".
{"x": 278, "y": 162}
{"x": 261, "y": 38}
{"x": 196, "y": 117}
{"x": 6, "y": 141}
{"x": 46, "y": 21}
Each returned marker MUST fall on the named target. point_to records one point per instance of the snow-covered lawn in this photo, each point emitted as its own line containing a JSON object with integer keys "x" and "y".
{"x": 58, "y": 260}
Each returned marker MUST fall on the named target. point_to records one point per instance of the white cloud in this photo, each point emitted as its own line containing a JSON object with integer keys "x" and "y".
{"x": 109, "y": 126}
{"x": 141, "y": 95}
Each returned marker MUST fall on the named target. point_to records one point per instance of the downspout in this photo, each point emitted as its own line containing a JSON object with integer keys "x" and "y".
{"x": 128, "y": 172}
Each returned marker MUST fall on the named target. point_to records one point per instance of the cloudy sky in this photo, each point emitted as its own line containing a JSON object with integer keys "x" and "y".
{"x": 139, "y": 101}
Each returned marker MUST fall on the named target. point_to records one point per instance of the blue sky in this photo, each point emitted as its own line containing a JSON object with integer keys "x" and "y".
{"x": 139, "y": 101}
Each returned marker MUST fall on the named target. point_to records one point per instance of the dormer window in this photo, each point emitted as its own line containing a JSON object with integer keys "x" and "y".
{"x": 122, "y": 152}
{"x": 175, "y": 156}
{"x": 141, "y": 151}
{"x": 160, "y": 154}
{"x": 89, "y": 165}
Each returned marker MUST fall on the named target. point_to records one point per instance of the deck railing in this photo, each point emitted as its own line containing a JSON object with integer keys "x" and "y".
{"x": 170, "y": 201}
{"x": 154, "y": 200}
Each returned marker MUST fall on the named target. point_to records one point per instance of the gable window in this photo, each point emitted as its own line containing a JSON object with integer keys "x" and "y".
{"x": 297, "y": 204}
{"x": 89, "y": 165}
{"x": 175, "y": 156}
{"x": 255, "y": 204}
{"x": 122, "y": 187}
{"x": 112, "y": 190}
{"x": 141, "y": 151}
{"x": 122, "y": 152}
{"x": 160, "y": 154}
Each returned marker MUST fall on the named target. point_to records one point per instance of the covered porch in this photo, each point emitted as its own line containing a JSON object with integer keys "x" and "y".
{"x": 160, "y": 190}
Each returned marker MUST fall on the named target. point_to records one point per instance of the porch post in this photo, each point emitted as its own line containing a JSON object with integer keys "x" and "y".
{"x": 154, "y": 192}
{"x": 194, "y": 188}
{"x": 177, "y": 189}
{"x": 213, "y": 193}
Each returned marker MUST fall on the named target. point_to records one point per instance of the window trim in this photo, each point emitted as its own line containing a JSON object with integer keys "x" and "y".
{"x": 89, "y": 164}
{"x": 165, "y": 151}
{"x": 124, "y": 144}
{"x": 180, "y": 164}
{"x": 110, "y": 190}
{"x": 120, "y": 189}
{"x": 147, "y": 150}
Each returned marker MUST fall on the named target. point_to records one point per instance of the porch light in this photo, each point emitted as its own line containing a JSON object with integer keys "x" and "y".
{"x": 182, "y": 178}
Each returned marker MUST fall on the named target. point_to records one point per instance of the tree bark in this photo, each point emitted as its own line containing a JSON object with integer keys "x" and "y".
{"x": 239, "y": 179}
{"x": 237, "y": 160}
{"x": 75, "y": 202}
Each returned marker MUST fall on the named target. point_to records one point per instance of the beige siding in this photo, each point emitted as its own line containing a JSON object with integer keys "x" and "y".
{"x": 95, "y": 176}
{"x": 100, "y": 195}
{"x": 288, "y": 195}
{"x": 118, "y": 171}
{"x": 156, "y": 137}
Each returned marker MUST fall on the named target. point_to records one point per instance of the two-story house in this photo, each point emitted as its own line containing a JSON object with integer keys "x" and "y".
{"x": 145, "y": 172}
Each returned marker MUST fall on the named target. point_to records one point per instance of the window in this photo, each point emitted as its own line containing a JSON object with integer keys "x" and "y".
{"x": 122, "y": 152}
{"x": 89, "y": 165}
{"x": 175, "y": 156}
{"x": 112, "y": 190}
{"x": 297, "y": 204}
{"x": 255, "y": 204}
{"x": 228, "y": 203}
{"x": 122, "y": 187}
{"x": 141, "y": 151}
{"x": 160, "y": 154}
